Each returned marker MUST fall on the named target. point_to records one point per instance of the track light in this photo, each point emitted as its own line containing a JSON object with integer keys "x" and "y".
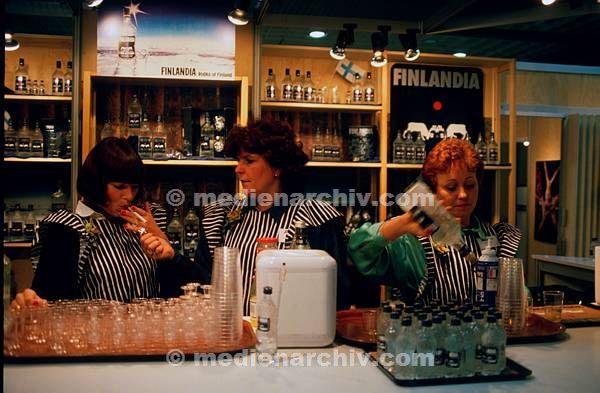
{"x": 92, "y": 3}
{"x": 379, "y": 41}
{"x": 239, "y": 15}
{"x": 345, "y": 37}
{"x": 409, "y": 42}
{"x": 10, "y": 43}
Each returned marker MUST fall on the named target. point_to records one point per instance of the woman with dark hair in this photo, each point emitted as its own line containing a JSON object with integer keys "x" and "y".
{"x": 402, "y": 253}
{"x": 271, "y": 170}
{"x": 92, "y": 253}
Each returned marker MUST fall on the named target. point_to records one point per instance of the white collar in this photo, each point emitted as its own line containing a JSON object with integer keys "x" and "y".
{"x": 84, "y": 210}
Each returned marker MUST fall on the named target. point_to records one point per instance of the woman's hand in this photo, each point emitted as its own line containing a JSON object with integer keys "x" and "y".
{"x": 156, "y": 247}
{"x": 134, "y": 224}
{"x": 401, "y": 225}
{"x": 27, "y": 298}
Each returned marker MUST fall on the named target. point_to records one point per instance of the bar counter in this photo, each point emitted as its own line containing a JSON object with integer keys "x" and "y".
{"x": 572, "y": 364}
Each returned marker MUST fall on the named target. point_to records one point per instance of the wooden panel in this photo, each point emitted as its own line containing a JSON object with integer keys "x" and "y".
{"x": 544, "y": 88}
{"x": 244, "y": 44}
{"x": 88, "y": 42}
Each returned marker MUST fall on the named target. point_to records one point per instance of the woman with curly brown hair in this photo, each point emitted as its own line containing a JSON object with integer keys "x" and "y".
{"x": 403, "y": 253}
{"x": 271, "y": 171}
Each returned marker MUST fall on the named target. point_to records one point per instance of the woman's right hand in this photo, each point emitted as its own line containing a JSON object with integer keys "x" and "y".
{"x": 156, "y": 247}
{"x": 27, "y": 298}
{"x": 402, "y": 225}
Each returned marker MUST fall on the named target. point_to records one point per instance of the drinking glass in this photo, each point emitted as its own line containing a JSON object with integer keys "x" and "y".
{"x": 553, "y": 302}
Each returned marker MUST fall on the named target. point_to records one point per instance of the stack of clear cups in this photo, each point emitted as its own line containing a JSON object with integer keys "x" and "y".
{"x": 511, "y": 298}
{"x": 227, "y": 297}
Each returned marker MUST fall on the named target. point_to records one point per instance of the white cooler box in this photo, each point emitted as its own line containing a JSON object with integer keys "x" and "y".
{"x": 308, "y": 299}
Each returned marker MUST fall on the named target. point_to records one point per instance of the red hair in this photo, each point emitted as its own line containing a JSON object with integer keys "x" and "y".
{"x": 450, "y": 152}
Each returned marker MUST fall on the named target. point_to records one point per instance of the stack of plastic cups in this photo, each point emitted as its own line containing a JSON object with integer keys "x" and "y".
{"x": 226, "y": 297}
{"x": 511, "y": 298}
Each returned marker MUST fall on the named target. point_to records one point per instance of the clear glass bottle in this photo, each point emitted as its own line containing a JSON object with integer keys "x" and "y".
{"x": 41, "y": 88}
{"x": 29, "y": 224}
{"x": 369, "y": 89}
{"x": 126, "y": 48}
{"x": 207, "y": 137}
{"x": 107, "y": 130}
{"x": 58, "y": 200}
{"x": 191, "y": 229}
{"x": 262, "y": 244}
{"x": 7, "y": 294}
{"x": 52, "y": 141}
{"x": 383, "y": 323}
{"x": 175, "y": 232}
{"x": 34, "y": 87}
{"x": 419, "y": 150}
{"x": 159, "y": 140}
{"x": 16, "y": 224}
{"x": 411, "y": 149}
{"x": 357, "y": 89}
{"x": 337, "y": 148}
{"x": 10, "y": 141}
{"x": 309, "y": 88}
{"x": 391, "y": 335}
{"x": 454, "y": 350}
{"x": 470, "y": 331}
{"x": 68, "y": 87}
{"x": 399, "y": 149}
{"x": 37, "y": 141}
{"x": 426, "y": 344}
{"x": 266, "y": 333}
{"x": 286, "y": 86}
{"x": 134, "y": 118}
{"x": 327, "y": 145}
{"x": 145, "y": 138}
{"x": 405, "y": 343}
{"x": 317, "y": 147}
{"x": 492, "y": 150}
{"x": 482, "y": 149}
{"x": 58, "y": 80}
{"x": 300, "y": 241}
{"x": 493, "y": 341}
{"x": 21, "y": 77}
{"x": 271, "y": 86}
{"x": 298, "y": 87}
{"x": 24, "y": 141}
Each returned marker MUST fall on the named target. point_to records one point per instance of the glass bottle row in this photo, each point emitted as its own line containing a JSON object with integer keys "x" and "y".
{"x": 62, "y": 82}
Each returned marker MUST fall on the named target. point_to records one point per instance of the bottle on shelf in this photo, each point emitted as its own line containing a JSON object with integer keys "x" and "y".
{"x": 419, "y": 149}
{"x": 482, "y": 149}
{"x": 337, "y": 148}
{"x": 10, "y": 141}
{"x": 107, "y": 130}
{"x": 41, "y": 88}
{"x": 399, "y": 149}
{"x": 411, "y": 149}
{"x": 24, "y": 141}
{"x": 287, "y": 87}
{"x": 298, "y": 87}
{"x": 266, "y": 333}
{"x": 369, "y": 89}
{"x": 126, "y": 48}
{"x": 32, "y": 87}
{"x": 16, "y": 224}
{"x": 492, "y": 150}
{"x": 58, "y": 80}
{"x": 37, "y": 141}
{"x": 159, "y": 140}
{"x": 68, "y": 87}
{"x": 271, "y": 86}
{"x": 357, "y": 89}
{"x": 145, "y": 138}
{"x": 207, "y": 137}
{"x": 191, "y": 227}
{"x": 7, "y": 293}
{"x": 29, "y": 224}
{"x": 175, "y": 232}
{"x": 309, "y": 88}
{"x": 21, "y": 78}
{"x": 66, "y": 141}
{"x": 317, "y": 147}
{"x": 454, "y": 350}
{"x": 58, "y": 200}
{"x": 52, "y": 141}
{"x": 134, "y": 121}
{"x": 300, "y": 240}
{"x": 327, "y": 145}
{"x": 5, "y": 226}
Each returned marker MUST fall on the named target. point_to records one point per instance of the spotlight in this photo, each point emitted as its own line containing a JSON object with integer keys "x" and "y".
{"x": 10, "y": 43}
{"x": 92, "y": 3}
{"x": 548, "y": 2}
{"x": 344, "y": 38}
{"x": 409, "y": 42}
{"x": 459, "y": 54}
{"x": 379, "y": 41}
{"x": 239, "y": 15}
{"x": 526, "y": 143}
{"x": 317, "y": 34}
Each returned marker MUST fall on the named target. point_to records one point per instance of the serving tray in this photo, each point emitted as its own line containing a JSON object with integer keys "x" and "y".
{"x": 538, "y": 329}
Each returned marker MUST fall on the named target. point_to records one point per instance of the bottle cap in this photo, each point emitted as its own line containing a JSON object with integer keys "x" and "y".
{"x": 267, "y": 290}
{"x": 455, "y": 322}
{"x": 395, "y": 315}
{"x": 406, "y": 321}
{"x": 426, "y": 323}
{"x": 387, "y": 308}
{"x": 467, "y": 319}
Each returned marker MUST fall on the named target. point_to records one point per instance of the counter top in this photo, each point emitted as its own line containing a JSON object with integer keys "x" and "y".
{"x": 580, "y": 262}
{"x": 569, "y": 365}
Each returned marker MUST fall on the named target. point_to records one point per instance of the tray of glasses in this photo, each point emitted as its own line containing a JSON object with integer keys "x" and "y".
{"x": 49, "y": 351}
{"x": 513, "y": 371}
{"x": 537, "y": 329}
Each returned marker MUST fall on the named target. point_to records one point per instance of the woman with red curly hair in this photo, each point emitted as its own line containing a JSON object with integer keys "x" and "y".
{"x": 402, "y": 252}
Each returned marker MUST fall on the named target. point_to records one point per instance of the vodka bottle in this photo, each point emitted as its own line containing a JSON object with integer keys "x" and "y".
{"x": 383, "y": 323}
{"x": 58, "y": 80}
{"x": 426, "y": 347}
{"x": 134, "y": 117}
{"x": 317, "y": 148}
{"x": 439, "y": 332}
{"x": 479, "y": 325}
{"x": 419, "y": 150}
{"x": 10, "y": 141}
{"x": 21, "y": 77}
{"x": 175, "y": 233}
{"x": 369, "y": 89}
{"x": 327, "y": 145}
{"x": 7, "y": 294}
{"x": 300, "y": 241}
{"x": 482, "y": 149}
{"x": 391, "y": 334}
{"x": 52, "y": 141}
{"x": 58, "y": 200}
{"x": 16, "y": 224}
{"x": 67, "y": 141}
{"x": 145, "y": 138}
{"x": 24, "y": 141}
{"x": 266, "y": 334}
{"x": 41, "y": 88}
{"x": 68, "y": 87}
{"x": 5, "y": 230}
{"x": 29, "y": 224}
{"x": 286, "y": 86}
{"x": 107, "y": 130}
{"x": 411, "y": 149}
{"x": 405, "y": 348}
{"x": 454, "y": 350}
{"x": 357, "y": 89}
{"x": 159, "y": 140}
{"x": 492, "y": 150}
{"x": 207, "y": 137}
{"x": 493, "y": 341}
{"x": 220, "y": 125}
{"x": 191, "y": 228}
{"x": 37, "y": 141}
{"x": 470, "y": 331}
{"x": 126, "y": 48}
{"x": 271, "y": 86}
{"x": 298, "y": 87}
{"x": 309, "y": 88}
{"x": 336, "y": 150}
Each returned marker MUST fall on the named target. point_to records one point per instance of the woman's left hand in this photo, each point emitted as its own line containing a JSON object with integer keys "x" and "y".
{"x": 134, "y": 224}
{"x": 156, "y": 247}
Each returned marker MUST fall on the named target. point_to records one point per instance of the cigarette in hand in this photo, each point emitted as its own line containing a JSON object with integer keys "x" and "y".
{"x": 141, "y": 230}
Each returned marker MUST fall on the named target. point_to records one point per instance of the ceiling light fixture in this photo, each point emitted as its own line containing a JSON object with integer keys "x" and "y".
{"x": 239, "y": 15}
{"x": 10, "y": 43}
{"x": 548, "y": 2}
{"x": 345, "y": 37}
{"x": 410, "y": 44}
{"x": 526, "y": 143}
{"x": 317, "y": 34}
{"x": 379, "y": 41}
{"x": 92, "y": 3}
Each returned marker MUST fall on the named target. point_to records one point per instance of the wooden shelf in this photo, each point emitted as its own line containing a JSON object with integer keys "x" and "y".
{"x": 38, "y": 160}
{"x": 504, "y": 167}
{"x": 284, "y": 105}
{"x": 336, "y": 164}
{"x": 32, "y": 98}
{"x": 17, "y": 245}
{"x": 217, "y": 163}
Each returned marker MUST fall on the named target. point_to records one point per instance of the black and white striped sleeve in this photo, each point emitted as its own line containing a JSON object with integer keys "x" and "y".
{"x": 509, "y": 238}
